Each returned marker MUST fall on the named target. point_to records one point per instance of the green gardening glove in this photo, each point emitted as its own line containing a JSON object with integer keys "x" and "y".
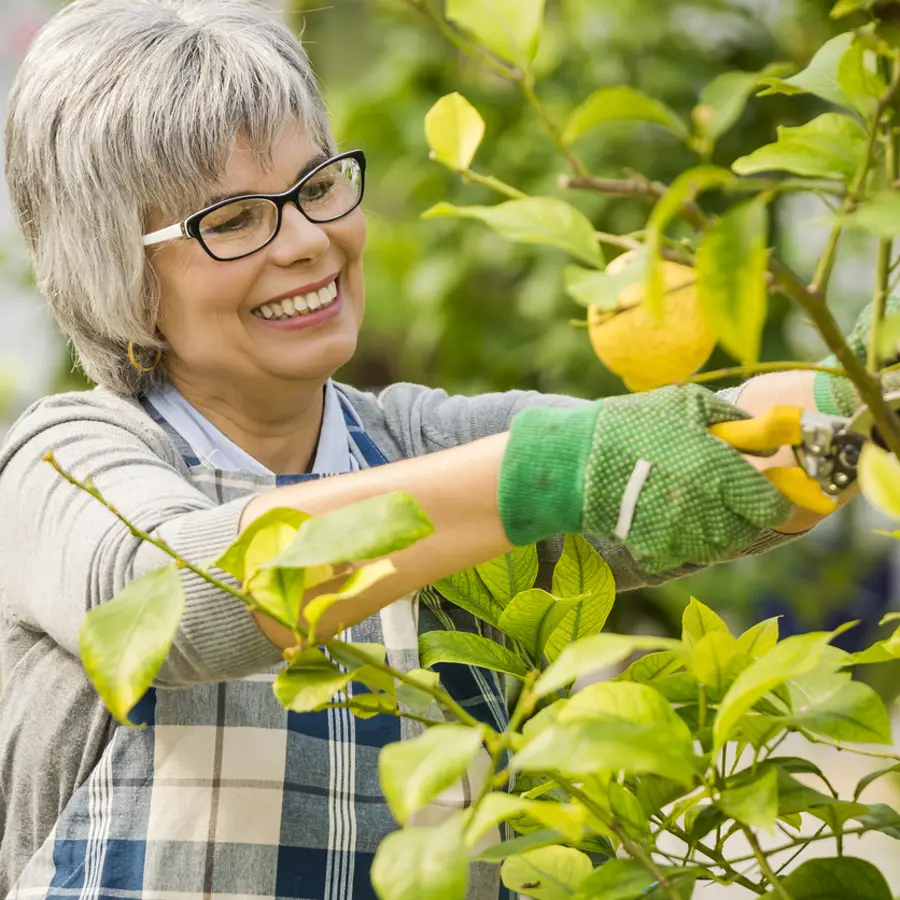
{"x": 837, "y": 396}
{"x": 642, "y": 470}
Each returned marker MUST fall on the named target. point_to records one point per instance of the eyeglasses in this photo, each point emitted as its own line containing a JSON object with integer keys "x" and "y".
{"x": 239, "y": 226}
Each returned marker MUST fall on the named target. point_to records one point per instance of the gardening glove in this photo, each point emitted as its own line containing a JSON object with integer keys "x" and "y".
{"x": 837, "y": 396}
{"x": 642, "y": 470}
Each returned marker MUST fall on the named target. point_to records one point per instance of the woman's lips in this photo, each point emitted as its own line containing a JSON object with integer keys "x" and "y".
{"x": 309, "y": 319}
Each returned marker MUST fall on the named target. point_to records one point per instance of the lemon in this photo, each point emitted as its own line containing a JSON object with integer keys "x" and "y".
{"x": 647, "y": 352}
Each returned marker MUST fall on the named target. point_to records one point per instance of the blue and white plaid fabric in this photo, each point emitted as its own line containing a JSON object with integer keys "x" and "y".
{"x": 225, "y": 795}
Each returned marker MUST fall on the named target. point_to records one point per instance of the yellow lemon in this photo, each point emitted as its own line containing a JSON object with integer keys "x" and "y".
{"x": 647, "y": 352}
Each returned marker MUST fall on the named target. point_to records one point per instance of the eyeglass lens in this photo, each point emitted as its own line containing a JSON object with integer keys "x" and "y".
{"x": 244, "y": 226}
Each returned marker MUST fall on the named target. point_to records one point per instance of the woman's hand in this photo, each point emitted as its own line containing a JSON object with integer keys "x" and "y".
{"x": 642, "y": 470}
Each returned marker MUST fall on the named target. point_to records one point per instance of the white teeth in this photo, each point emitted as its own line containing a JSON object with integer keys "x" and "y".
{"x": 324, "y": 296}
{"x": 287, "y": 307}
{"x": 312, "y": 301}
{"x": 300, "y": 305}
{"x": 266, "y": 311}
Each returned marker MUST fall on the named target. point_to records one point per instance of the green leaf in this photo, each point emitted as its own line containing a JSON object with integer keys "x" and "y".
{"x": 683, "y": 191}
{"x": 422, "y": 862}
{"x": 263, "y": 539}
{"x": 859, "y": 81}
{"x": 617, "y": 104}
{"x": 880, "y": 817}
{"x": 618, "y": 879}
{"x": 414, "y": 699}
{"x": 498, "y": 852}
{"x": 454, "y": 129}
{"x": 365, "y": 530}
{"x": 831, "y": 146}
{"x": 653, "y": 666}
{"x": 820, "y": 77}
{"x": 628, "y": 810}
{"x": 846, "y": 711}
{"x": 563, "y": 818}
{"x": 880, "y": 215}
{"x": 697, "y": 621}
{"x": 866, "y": 780}
{"x": 531, "y": 617}
{"x": 511, "y": 573}
{"x": 792, "y": 657}
{"x": 754, "y": 804}
{"x": 509, "y": 28}
{"x": 879, "y": 479}
{"x": 550, "y": 873}
{"x": 795, "y": 797}
{"x": 124, "y": 643}
{"x": 593, "y": 653}
{"x": 713, "y": 661}
{"x": 845, "y": 7}
{"x": 732, "y": 263}
{"x": 723, "y": 100}
{"x": 358, "y": 583}
{"x": 588, "y": 287}
{"x": 311, "y": 681}
{"x": 836, "y": 879}
{"x": 279, "y": 592}
{"x": 580, "y": 571}
{"x": 760, "y": 639}
{"x": 535, "y": 220}
{"x": 414, "y": 772}
{"x": 471, "y": 649}
{"x": 468, "y": 591}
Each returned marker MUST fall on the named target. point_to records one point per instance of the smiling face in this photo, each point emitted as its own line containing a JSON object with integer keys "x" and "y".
{"x": 220, "y": 319}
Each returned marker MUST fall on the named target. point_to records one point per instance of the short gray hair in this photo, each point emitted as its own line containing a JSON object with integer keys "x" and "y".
{"x": 123, "y": 107}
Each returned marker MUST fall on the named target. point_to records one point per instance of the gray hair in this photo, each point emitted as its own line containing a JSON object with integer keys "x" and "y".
{"x": 126, "y": 107}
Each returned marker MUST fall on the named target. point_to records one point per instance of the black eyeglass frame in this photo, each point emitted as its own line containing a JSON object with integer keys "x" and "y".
{"x": 190, "y": 227}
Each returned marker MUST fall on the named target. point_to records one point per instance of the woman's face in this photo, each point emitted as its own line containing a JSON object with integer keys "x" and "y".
{"x": 212, "y": 313}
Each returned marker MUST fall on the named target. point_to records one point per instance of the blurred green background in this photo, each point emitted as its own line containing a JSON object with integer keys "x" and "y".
{"x": 452, "y": 305}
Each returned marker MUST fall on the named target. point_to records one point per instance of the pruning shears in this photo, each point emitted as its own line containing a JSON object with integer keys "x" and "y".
{"x": 827, "y": 449}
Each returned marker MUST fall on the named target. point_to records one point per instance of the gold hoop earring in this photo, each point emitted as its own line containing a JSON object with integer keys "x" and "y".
{"x": 137, "y": 365}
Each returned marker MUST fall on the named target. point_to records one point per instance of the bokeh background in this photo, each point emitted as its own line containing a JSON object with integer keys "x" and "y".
{"x": 452, "y": 305}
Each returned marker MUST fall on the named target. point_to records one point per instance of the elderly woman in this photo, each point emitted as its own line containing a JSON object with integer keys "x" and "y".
{"x": 199, "y": 239}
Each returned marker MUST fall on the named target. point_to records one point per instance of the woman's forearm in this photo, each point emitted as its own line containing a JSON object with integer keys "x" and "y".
{"x": 457, "y": 489}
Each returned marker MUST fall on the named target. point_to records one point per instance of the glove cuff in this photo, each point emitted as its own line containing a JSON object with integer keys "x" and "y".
{"x": 541, "y": 485}
{"x": 834, "y": 395}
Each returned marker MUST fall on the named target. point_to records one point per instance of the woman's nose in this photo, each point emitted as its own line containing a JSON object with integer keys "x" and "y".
{"x": 298, "y": 238}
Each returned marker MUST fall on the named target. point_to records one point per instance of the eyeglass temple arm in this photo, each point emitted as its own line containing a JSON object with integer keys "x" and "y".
{"x": 164, "y": 234}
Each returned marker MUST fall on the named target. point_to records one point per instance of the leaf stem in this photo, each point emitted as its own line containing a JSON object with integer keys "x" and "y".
{"x": 526, "y": 82}
{"x": 761, "y": 368}
{"x": 494, "y": 184}
{"x": 764, "y": 866}
{"x": 829, "y": 742}
{"x": 645, "y": 188}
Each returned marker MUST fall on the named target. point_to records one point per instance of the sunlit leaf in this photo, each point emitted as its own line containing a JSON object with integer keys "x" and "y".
{"x": 260, "y": 541}
{"x": 509, "y": 28}
{"x": 831, "y": 146}
{"x": 879, "y": 479}
{"x": 123, "y": 643}
{"x": 653, "y": 666}
{"x": 546, "y": 837}
{"x": 588, "y": 287}
{"x": 551, "y": 873}
{"x": 414, "y": 772}
{"x": 820, "y": 77}
{"x": 760, "y": 639}
{"x": 859, "y": 80}
{"x": 531, "y": 617}
{"x": 358, "y": 583}
{"x": 732, "y": 262}
{"x": 414, "y": 863}
{"x": 846, "y": 711}
{"x": 535, "y": 220}
{"x": 845, "y": 7}
{"x": 472, "y": 649}
{"x": 511, "y": 573}
{"x": 629, "y": 812}
{"x": 879, "y": 215}
{"x": 796, "y": 797}
{"x": 697, "y": 621}
{"x": 468, "y": 591}
{"x": 415, "y": 699}
{"x": 618, "y": 879}
{"x": 454, "y": 129}
{"x": 311, "y": 681}
{"x": 564, "y": 818}
{"x": 754, "y": 804}
{"x": 713, "y": 661}
{"x": 365, "y": 530}
{"x": 836, "y": 879}
{"x": 617, "y": 104}
{"x": 593, "y": 653}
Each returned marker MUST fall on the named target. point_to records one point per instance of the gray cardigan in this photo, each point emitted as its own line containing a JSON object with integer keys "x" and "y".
{"x": 63, "y": 554}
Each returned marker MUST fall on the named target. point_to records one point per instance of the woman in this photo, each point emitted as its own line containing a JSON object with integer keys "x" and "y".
{"x": 212, "y": 326}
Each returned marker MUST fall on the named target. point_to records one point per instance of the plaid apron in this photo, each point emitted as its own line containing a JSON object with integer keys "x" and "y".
{"x": 226, "y": 795}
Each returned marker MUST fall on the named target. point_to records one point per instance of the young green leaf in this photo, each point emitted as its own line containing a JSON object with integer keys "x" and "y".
{"x": 844, "y": 710}
{"x": 564, "y": 818}
{"x": 618, "y": 879}
{"x": 546, "y": 837}
{"x": 796, "y": 797}
{"x": 879, "y": 817}
{"x": 511, "y": 573}
{"x": 414, "y": 699}
{"x": 820, "y": 77}
{"x": 732, "y": 262}
{"x": 652, "y": 666}
{"x": 845, "y": 7}
{"x": 593, "y": 653}
{"x": 866, "y": 780}
{"x": 551, "y": 873}
{"x": 880, "y": 215}
{"x": 365, "y": 530}
{"x": 629, "y": 812}
{"x": 311, "y": 681}
{"x": 531, "y": 617}
{"x": 831, "y": 146}
{"x": 697, "y": 621}
{"x": 879, "y": 479}
{"x": 792, "y": 657}
{"x": 263, "y": 539}
{"x": 760, "y": 639}
{"x": 414, "y": 863}
{"x": 468, "y": 591}
{"x": 859, "y": 80}
{"x": 836, "y": 879}
{"x": 124, "y": 643}
{"x": 454, "y": 129}
{"x": 535, "y": 220}
{"x": 358, "y": 583}
{"x": 588, "y": 287}
{"x": 713, "y": 661}
{"x": 754, "y": 804}
{"x": 471, "y": 649}
{"x": 617, "y": 104}
{"x": 414, "y": 772}
{"x": 509, "y": 28}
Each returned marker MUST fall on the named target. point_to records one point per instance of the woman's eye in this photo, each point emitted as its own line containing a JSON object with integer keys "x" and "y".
{"x": 317, "y": 190}
{"x": 233, "y": 223}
